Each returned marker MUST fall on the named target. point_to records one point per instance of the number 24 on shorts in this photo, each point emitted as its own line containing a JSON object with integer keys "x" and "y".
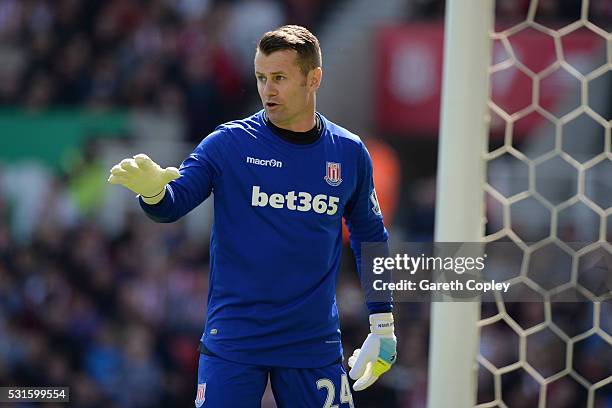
{"x": 345, "y": 392}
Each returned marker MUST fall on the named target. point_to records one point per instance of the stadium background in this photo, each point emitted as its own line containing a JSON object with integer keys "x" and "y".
{"x": 96, "y": 296}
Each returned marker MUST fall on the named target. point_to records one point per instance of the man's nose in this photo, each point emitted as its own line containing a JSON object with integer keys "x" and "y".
{"x": 270, "y": 89}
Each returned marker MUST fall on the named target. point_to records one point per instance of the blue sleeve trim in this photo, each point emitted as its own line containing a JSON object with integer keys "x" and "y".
{"x": 380, "y": 307}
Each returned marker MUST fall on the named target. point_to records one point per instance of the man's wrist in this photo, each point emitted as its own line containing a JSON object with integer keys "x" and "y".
{"x": 382, "y": 324}
{"x": 154, "y": 199}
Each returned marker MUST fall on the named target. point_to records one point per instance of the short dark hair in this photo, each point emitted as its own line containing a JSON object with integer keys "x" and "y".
{"x": 293, "y": 37}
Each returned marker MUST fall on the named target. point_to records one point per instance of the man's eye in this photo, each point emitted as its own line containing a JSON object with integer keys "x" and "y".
{"x": 279, "y": 77}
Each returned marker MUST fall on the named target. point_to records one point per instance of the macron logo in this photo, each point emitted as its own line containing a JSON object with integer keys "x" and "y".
{"x": 265, "y": 163}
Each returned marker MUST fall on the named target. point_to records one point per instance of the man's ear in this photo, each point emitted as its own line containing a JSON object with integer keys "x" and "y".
{"x": 315, "y": 78}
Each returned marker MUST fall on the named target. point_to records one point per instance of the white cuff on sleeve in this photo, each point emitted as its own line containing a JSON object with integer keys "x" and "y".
{"x": 381, "y": 323}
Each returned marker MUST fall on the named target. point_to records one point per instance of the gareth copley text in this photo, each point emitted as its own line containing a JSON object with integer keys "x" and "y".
{"x": 453, "y": 286}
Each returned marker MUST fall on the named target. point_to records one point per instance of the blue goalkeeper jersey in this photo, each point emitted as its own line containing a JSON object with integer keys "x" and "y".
{"x": 276, "y": 239}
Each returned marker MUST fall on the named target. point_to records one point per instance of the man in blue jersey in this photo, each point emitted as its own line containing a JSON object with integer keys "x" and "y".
{"x": 282, "y": 180}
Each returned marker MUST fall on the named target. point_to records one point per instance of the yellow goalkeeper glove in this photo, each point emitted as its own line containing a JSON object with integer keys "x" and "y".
{"x": 376, "y": 355}
{"x": 144, "y": 177}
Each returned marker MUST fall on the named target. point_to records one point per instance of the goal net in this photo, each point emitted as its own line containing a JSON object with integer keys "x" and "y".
{"x": 546, "y": 194}
{"x": 548, "y": 190}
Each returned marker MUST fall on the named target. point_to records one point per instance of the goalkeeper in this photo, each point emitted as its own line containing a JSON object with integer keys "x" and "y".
{"x": 282, "y": 179}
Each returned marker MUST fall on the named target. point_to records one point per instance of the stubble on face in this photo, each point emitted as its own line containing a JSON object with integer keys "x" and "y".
{"x": 283, "y": 90}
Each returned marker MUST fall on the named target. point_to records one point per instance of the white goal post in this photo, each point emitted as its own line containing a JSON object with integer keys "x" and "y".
{"x": 460, "y": 196}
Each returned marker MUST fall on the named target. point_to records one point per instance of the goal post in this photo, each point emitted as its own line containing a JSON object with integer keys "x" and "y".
{"x": 460, "y": 196}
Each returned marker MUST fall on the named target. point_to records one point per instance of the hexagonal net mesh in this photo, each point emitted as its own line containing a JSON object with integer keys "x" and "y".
{"x": 549, "y": 194}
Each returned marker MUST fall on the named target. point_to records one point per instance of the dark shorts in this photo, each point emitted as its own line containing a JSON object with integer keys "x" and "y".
{"x": 222, "y": 384}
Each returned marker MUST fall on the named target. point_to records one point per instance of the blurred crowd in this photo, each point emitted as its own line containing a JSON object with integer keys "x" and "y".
{"x": 115, "y": 318}
{"x": 192, "y": 57}
{"x": 117, "y": 315}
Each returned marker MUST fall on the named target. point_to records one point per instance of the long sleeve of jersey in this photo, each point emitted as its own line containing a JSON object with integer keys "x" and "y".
{"x": 365, "y": 223}
{"x": 198, "y": 175}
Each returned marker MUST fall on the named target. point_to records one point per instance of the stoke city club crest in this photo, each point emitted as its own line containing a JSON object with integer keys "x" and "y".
{"x": 333, "y": 175}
